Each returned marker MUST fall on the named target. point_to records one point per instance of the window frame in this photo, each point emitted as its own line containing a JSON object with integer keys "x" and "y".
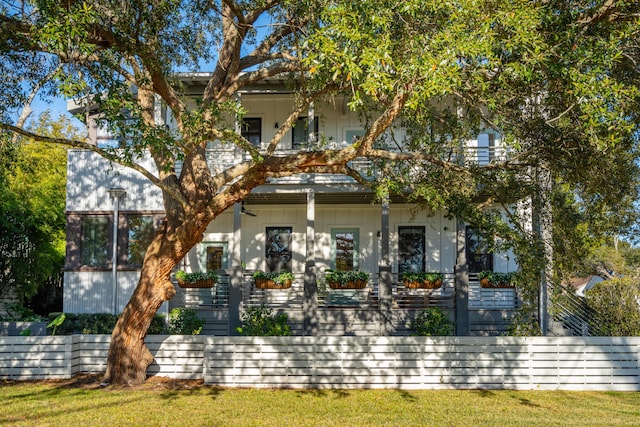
{"x": 423, "y": 233}
{"x": 474, "y": 262}
{"x": 253, "y": 127}
{"x": 355, "y": 262}
{"x": 127, "y": 232}
{"x": 303, "y": 121}
{"x": 273, "y": 258}
{"x": 83, "y": 240}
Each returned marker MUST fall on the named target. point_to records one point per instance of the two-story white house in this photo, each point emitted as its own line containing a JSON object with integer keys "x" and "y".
{"x": 306, "y": 224}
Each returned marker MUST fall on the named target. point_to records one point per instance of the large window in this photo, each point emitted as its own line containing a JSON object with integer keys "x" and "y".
{"x": 300, "y": 132}
{"x": 252, "y": 130}
{"x": 141, "y": 233}
{"x": 95, "y": 241}
{"x": 278, "y": 248}
{"x": 215, "y": 256}
{"x": 479, "y": 258}
{"x": 411, "y": 249}
{"x": 344, "y": 249}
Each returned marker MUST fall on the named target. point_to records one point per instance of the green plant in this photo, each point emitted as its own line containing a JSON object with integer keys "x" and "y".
{"x": 431, "y": 276}
{"x": 495, "y": 278}
{"x": 196, "y": 276}
{"x": 616, "y": 303}
{"x": 343, "y": 277}
{"x": 278, "y": 277}
{"x": 185, "y": 321}
{"x": 55, "y": 323}
{"x": 260, "y": 321}
{"x": 432, "y": 321}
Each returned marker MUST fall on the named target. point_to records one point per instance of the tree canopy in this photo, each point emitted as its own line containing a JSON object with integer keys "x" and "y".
{"x": 557, "y": 80}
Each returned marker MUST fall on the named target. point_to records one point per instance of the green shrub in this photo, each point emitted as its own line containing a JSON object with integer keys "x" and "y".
{"x": 196, "y": 276}
{"x": 19, "y": 313}
{"x": 616, "y": 302}
{"x": 432, "y": 321}
{"x": 344, "y": 277}
{"x": 185, "y": 321}
{"x": 96, "y": 323}
{"x": 260, "y": 321}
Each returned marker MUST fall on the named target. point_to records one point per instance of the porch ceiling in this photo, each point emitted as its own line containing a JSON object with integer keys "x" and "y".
{"x": 301, "y": 198}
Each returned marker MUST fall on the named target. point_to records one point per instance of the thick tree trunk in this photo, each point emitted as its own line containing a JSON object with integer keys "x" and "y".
{"x": 129, "y": 357}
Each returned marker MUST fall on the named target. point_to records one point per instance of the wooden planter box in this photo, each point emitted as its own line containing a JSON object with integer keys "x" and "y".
{"x": 485, "y": 283}
{"x": 209, "y": 283}
{"x": 270, "y": 284}
{"x": 423, "y": 284}
{"x": 358, "y": 284}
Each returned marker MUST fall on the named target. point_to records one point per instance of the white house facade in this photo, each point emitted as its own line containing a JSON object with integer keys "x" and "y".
{"x": 306, "y": 224}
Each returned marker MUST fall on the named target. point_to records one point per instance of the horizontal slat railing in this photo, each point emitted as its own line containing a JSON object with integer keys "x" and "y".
{"x": 535, "y": 363}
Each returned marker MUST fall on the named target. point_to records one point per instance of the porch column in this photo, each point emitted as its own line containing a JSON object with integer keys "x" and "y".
{"x": 310, "y": 303}
{"x": 384, "y": 274}
{"x": 461, "y": 282}
{"x": 235, "y": 274}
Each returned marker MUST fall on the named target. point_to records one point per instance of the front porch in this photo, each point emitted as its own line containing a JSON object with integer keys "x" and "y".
{"x": 365, "y": 312}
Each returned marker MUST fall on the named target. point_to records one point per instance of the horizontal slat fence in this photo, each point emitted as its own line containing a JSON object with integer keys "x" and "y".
{"x": 544, "y": 363}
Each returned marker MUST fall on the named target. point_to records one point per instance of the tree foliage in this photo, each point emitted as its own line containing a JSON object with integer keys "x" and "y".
{"x": 32, "y": 200}
{"x": 617, "y": 303}
{"x": 557, "y": 80}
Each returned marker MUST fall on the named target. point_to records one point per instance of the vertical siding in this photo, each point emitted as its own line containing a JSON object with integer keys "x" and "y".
{"x": 90, "y": 176}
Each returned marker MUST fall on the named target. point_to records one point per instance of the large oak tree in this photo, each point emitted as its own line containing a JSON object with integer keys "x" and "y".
{"x": 557, "y": 79}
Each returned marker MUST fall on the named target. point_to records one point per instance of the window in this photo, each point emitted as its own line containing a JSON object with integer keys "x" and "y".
{"x": 95, "y": 241}
{"x": 344, "y": 249}
{"x": 411, "y": 249}
{"x": 215, "y": 257}
{"x": 252, "y": 130}
{"x": 479, "y": 258}
{"x": 140, "y": 234}
{"x": 278, "y": 248}
{"x": 486, "y": 148}
{"x": 352, "y": 135}
{"x": 300, "y": 132}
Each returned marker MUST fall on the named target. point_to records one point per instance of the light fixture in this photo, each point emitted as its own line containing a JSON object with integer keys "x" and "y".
{"x": 276, "y": 125}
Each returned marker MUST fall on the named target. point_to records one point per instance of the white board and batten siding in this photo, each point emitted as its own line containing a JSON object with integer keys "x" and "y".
{"x": 90, "y": 176}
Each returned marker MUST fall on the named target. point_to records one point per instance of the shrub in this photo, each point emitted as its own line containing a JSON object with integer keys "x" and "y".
{"x": 96, "y": 323}
{"x": 344, "y": 277}
{"x": 432, "y": 321}
{"x": 617, "y": 303}
{"x": 260, "y": 321}
{"x": 185, "y": 321}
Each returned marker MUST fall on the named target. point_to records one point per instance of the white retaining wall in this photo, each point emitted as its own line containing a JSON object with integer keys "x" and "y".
{"x": 544, "y": 363}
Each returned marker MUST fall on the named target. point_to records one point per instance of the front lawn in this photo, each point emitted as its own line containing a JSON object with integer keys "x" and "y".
{"x": 161, "y": 402}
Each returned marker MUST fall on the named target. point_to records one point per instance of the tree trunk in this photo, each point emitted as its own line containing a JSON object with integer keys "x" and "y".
{"x": 129, "y": 357}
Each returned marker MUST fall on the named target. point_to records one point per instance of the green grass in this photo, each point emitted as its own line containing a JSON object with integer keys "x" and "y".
{"x": 173, "y": 404}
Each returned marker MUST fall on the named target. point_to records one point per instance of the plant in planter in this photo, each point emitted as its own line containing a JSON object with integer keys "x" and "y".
{"x": 346, "y": 279}
{"x": 423, "y": 280}
{"x": 493, "y": 279}
{"x": 260, "y": 321}
{"x": 196, "y": 280}
{"x": 273, "y": 280}
{"x": 432, "y": 322}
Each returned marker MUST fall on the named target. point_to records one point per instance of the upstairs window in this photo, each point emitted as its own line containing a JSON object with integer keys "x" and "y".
{"x": 300, "y": 133}
{"x": 95, "y": 241}
{"x": 252, "y": 130}
{"x": 411, "y": 249}
{"x": 140, "y": 235}
{"x": 344, "y": 249}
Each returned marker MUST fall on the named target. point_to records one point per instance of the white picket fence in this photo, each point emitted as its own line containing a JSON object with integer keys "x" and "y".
{"x": 544, "y": 363}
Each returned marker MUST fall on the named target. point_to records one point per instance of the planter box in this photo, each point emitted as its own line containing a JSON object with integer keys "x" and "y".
{"x": 270, "y": 284}
{"x": 485, "y": 283}
{"x": 14, "y": 328}
{"x": 423, "y": 284}
{"x": 358, "y": 284}
{"x": 209, "y": 283}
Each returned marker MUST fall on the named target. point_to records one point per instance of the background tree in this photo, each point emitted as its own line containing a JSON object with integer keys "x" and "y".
{"x": 556, "y": 79}
{"x": 32, "y": 200}
{"x": 616, "y": 301}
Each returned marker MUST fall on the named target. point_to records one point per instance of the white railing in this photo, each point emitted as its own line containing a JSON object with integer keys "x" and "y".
{"x": 534, "y": 363}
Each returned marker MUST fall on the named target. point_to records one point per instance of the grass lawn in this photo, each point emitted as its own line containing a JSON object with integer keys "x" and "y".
{"x": 82, "y": 402}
